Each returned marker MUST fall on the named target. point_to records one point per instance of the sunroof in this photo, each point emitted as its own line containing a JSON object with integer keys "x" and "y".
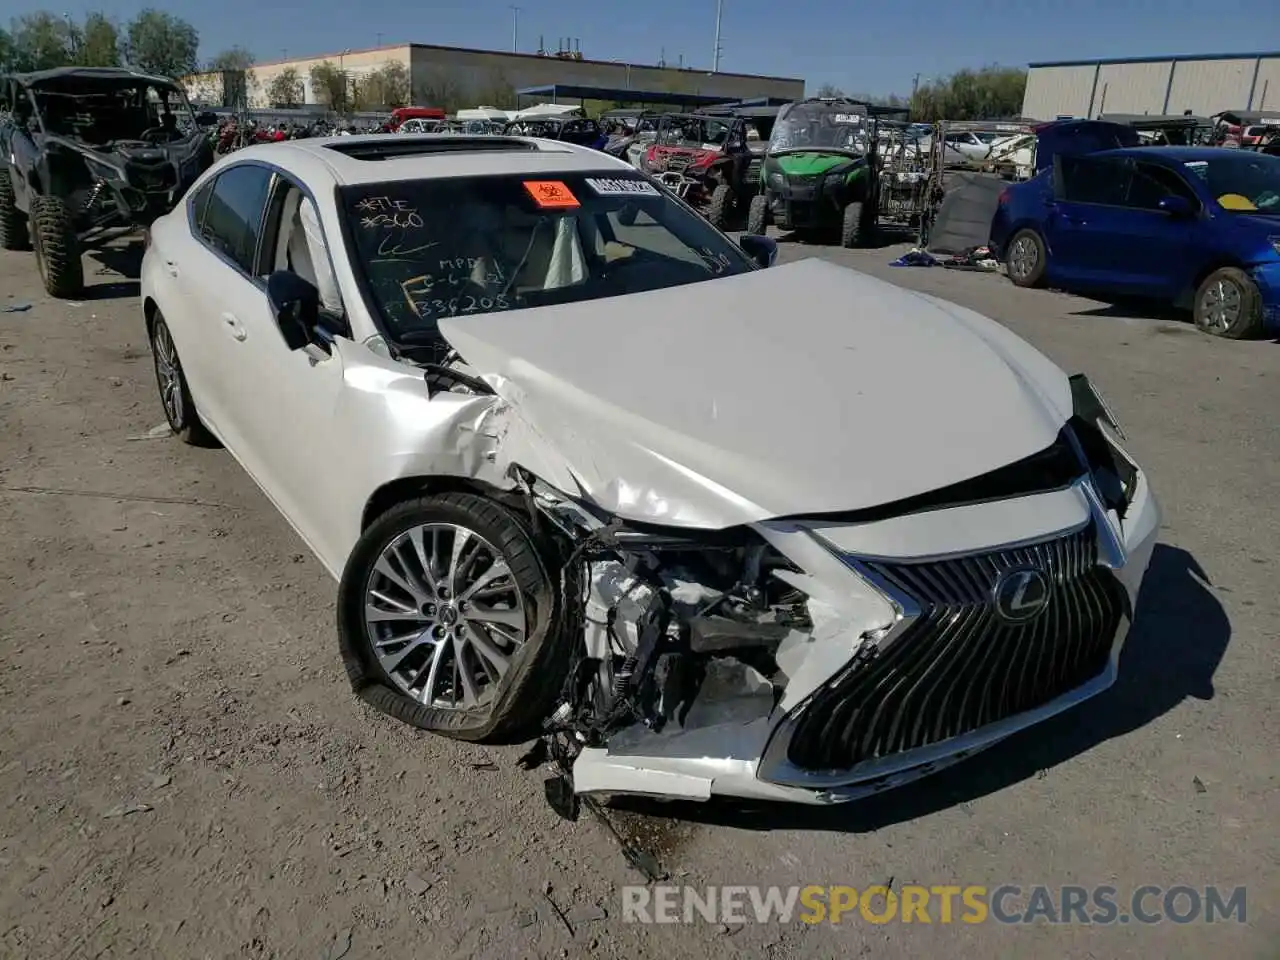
{"x": 393, "y": 147}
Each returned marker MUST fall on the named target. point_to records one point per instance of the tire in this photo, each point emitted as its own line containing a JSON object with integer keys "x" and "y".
{"x": 175, "y": 395}
{"x": 511, "y": 706}
{"x": 721, "y": 206}
{"x": 1026, "y": 259}
{"x": 13, "y": 222}
{"x": 1228, "y": 305}
{"x": 57, "y": 249}
{"x": 758, "y": 214}
{"x": 853, "y": 232}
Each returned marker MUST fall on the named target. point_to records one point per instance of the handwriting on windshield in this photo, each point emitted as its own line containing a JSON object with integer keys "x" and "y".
{"x": 391, "y": 249}
{"x": 389, "y": 214}
{"x": 418, "y": 295}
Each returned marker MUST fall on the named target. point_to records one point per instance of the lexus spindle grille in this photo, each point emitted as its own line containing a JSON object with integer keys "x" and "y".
{"x": 960, "y": 665}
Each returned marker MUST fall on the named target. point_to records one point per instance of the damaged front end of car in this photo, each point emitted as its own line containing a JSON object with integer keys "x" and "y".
{"x": 822, "y": 659}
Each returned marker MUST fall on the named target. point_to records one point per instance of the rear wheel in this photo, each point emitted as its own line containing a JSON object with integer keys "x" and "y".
{"x": 449, "y": 620}
{"x": 1229, "y": 305}
{"x": 13, "y": 222}
{"x": 57, "y": 248}
{"x": 721, "y": 207}
{"x": 175, "y": 396}
{"x": 758, "y": 214}
{"x": 1027, "y": 259}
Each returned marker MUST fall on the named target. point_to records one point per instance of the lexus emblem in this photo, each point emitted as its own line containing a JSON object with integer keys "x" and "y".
{"x": 1020, "y": 594}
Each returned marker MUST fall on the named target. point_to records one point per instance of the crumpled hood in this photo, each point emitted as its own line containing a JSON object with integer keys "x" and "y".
{"x": 803, "y": 389}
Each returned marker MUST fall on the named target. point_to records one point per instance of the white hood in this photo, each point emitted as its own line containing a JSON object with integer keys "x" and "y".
{"x": 803, "y": 389}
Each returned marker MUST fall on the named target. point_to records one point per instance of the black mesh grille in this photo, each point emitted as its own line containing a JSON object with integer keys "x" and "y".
{"x": 151, "y": 177}
{"x": 959, "y": 666}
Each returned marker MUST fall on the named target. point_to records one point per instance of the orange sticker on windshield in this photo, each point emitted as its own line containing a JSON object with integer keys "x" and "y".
{"x": 551, "y": 194}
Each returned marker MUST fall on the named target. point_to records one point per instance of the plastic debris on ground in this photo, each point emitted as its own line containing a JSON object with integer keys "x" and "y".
{"x": 20, "y": 307}
{"x": 975, "y": 258}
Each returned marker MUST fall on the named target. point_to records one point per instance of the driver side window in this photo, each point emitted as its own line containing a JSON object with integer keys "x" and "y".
{"x": 294, "y": 240}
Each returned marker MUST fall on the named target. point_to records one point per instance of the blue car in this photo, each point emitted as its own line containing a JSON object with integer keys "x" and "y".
{"x": 1197, "y": 227}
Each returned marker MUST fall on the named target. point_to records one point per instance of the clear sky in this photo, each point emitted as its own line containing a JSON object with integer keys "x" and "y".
{"x": 871, "y": 46}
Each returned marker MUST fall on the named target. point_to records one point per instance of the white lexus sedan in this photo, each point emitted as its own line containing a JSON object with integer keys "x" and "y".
{"x": 586, "y": 469}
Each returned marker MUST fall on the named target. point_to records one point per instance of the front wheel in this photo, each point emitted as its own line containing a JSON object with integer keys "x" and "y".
{"x": 856, "y": 227}
{"x": 57, "y": 247}
{"x": 1229, "y": 305}
{"x": 448, "y": 620}
{"x": 1027, "y": 259}
{"x": 721, "y": 206}
{"x": 758, "y": 214}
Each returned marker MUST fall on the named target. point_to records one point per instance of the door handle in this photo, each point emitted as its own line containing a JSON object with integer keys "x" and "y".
{"x": 233, "y": 324}
{"x": 172, "y": 267}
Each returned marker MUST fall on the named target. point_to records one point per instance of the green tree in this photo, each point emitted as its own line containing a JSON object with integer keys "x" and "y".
{"x": 384, "y": 88}
{"x": 236, "y": 58}
{"x": 329, "y": 84}
{"x": 6, "y": 50}
{"x": 986, "y": 94}
{"x": 161, "y": 43}
{"x": 42, "y": 41}
{"x": 498, "y": 92}
{"x": 99, "y": 44}
{"x": 285, "y": 88}
{"x": 439, "y": 89}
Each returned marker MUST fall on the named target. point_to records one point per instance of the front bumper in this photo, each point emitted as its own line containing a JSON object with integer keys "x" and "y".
{"x": 814, "y": 748}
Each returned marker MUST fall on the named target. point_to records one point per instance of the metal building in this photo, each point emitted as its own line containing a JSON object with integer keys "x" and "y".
{"x": 1203, "y": 85}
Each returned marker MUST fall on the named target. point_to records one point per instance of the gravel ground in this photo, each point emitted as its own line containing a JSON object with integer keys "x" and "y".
{"x": 188, "y": 774}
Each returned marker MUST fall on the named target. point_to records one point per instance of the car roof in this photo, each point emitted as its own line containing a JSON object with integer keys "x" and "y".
{"x": 1171, "y": 154}
{"x": 89, "y": 73}
{"x": 437, "y": 156}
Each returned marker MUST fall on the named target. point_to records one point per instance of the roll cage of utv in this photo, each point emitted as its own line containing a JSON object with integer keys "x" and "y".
{"x": 88, "y": 155}
{"x": 821, "y": 170}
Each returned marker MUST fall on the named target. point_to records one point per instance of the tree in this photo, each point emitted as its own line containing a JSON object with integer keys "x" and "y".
{"x": 42, "y": 41}
{"x": 99, "y": 43}
{"x": 439, "y": 89}
{"x": 386, "y": 87}
{"x": 499, "y": 92}
{"x": 6, "y": 50}
{"x": 985, "y": 94}
{"x": 329, "y": 84}
{"x": 285, "y": 89}
{"x": 161, "y": 43}
{"x": 828, "y": 90}
{"x": 236, "y": 58}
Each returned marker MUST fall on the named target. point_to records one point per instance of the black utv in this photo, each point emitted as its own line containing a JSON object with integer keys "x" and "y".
{"x": 821, "y": 172}
{"x": 88, "y": 155}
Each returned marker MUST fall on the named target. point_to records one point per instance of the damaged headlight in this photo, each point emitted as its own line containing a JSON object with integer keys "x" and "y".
{"x": 1098, "y": 434}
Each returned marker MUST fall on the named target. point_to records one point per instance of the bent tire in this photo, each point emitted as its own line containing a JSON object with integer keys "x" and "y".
{"x": 57, "y": 249}
{"x": 758, "y": 214}
{"x": 175, "y": 395}
{"x": 1229, "y": 305}
{"x": 449, "y": 620}
{"x": 721, "y": 206}
{"x": 13, "y": 222}
{"x": 1026, "y": 259}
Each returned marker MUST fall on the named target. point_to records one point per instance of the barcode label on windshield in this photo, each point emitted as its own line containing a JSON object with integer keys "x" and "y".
{"x": 626, "y": 187}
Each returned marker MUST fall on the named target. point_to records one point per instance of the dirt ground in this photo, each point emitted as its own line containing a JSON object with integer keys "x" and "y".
{"x": 188, "y": 774}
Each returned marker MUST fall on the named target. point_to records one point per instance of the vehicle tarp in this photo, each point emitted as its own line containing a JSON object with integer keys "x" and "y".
{"x": 964, "y": 218}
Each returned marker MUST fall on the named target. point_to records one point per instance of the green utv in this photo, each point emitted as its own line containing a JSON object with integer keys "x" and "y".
{"x": 820, "y": 173}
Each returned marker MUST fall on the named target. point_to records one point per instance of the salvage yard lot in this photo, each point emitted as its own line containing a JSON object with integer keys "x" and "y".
{"x": 188, "y": 774}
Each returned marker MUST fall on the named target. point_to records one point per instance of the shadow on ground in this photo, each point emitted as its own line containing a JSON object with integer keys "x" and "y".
{"x": 119, "y": 267}
{"x": 886, "y": 236}
{"x": 1178, "y": 639}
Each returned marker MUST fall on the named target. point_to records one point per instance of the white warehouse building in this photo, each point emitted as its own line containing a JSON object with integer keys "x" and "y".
{"x": 1204, "y": 85}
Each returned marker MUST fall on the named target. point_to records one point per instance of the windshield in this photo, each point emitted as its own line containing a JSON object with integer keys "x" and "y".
{"x": 457, "y": 246}
{"x": 1241, "y": 182}
{"x": 812, "y": 125}
{"x": 99, "y": 112}
{"x": 695, "y": 131}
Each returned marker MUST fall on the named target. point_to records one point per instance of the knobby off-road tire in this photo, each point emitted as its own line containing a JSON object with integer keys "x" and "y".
{"x": 512, "y": 710}
{"x": 53, "y": 232}
{"x": 853, "y": 228}
{"x": 13, "y": 222}
{"x": 721, "y": 207}
{"x": 758, "y": 214}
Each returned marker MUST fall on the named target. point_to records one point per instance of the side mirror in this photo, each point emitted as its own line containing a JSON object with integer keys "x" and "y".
{"x": 207, "y": 118}
{"x": 296, "y": 304}
{"x": 761, "y": 249}
{"x": 1175, "y": 206}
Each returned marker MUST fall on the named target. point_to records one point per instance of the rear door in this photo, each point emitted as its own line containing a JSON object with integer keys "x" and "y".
{"x": 1089, "y": 196}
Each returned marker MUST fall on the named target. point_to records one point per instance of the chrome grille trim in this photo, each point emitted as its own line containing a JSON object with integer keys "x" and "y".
{"x": 952, "y": 666}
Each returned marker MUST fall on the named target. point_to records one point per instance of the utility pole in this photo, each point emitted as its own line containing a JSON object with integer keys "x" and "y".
{"x": 715, "y": 60}
{"x": 515, "y": 28}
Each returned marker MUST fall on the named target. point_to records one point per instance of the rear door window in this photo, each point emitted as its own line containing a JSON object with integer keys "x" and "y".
{"x": 1152, "y": 182}
{"x": 233, "y": 216}
{"x": 1102, "y": 180}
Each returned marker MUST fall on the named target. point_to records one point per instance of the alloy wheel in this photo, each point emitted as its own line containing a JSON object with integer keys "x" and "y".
{"x": 444, "y": 615}
{"x": 168, "y": 376}
{"x": 1221, "y": 306}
